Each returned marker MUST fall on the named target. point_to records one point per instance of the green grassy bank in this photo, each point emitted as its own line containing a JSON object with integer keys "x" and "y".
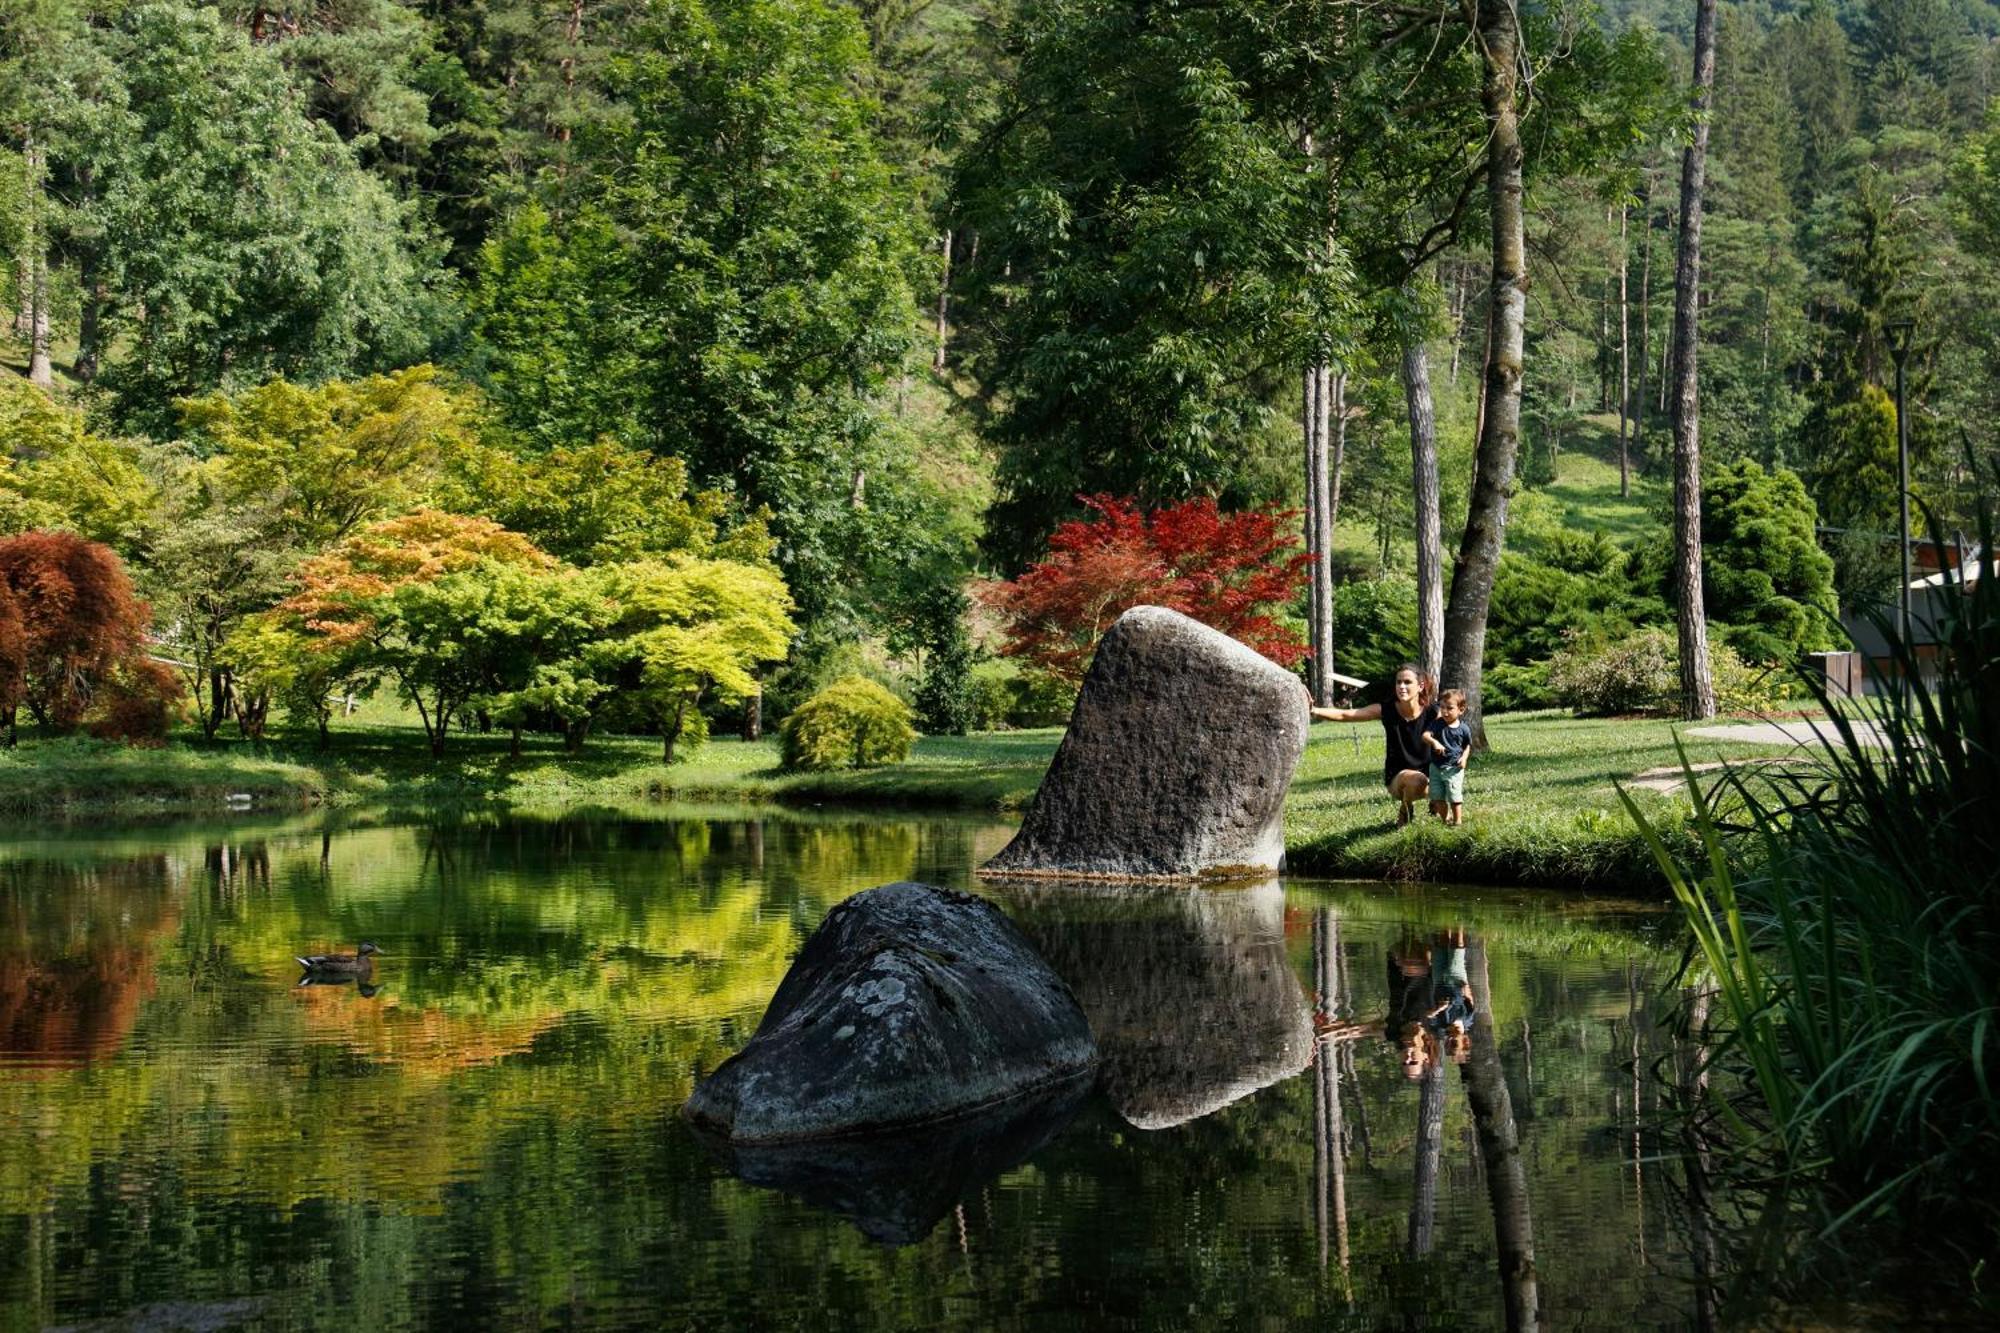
{"x": 1541, "y": 806}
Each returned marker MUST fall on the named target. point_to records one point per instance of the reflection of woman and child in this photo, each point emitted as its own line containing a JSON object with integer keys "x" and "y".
{"x": 1425, "y": 743}
{"x": 1431, "y": 1006}
{"x": 1436, "y": 1020}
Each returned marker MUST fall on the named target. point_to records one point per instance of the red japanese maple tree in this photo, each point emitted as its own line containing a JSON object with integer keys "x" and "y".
{"x": 73, "y": 640}
{"x": 1230, "y": 571}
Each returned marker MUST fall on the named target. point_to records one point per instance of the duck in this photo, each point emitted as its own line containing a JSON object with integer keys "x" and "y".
{"x": 360, "y": 963}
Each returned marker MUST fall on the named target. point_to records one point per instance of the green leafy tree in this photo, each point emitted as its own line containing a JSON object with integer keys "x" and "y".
{"x": 754, "y": 251}
{"x": 350, "y": 600}
{"x": 57, "y": 473}
{"x": 477, "y": 633}
{"x": 1154, "y": 261}
{"x": 211, "y": 567}
{"x": 687, "y": 633}
{"x": 601, "y": 503}
{"x": 239, "y": 237}
{"x": 330, "y": 457}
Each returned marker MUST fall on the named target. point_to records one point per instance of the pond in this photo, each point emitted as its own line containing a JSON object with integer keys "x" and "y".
{"x": 489, "y": 1131}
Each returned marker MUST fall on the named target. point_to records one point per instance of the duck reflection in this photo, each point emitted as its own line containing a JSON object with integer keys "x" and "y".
{"x": 1188, "y": 990}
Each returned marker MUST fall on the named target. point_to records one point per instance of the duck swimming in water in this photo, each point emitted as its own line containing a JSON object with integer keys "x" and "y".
{"x": 359, "y": 964}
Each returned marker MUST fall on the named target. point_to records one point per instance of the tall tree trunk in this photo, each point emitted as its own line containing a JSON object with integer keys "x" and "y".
{"x": 1645, "y": 307}
{"x": 1424, "y": 487}
{"x": 944, "y": 302}
{"x": 1604, "y": 334}
{"x": 1316, "y": 416}
{"x": 1624, "y": 356}
{"x": 1336, "y": 400}
{"x": 1667, "y": 343}
{"x": 1500, "y": 431}
{"x": 1458, "y": 300}
{"x": 24, "y": 300}
{"x": 40, "y": 372}
{"x": 1500, "y": 1153}
{"x": 753, "y": 717}
{"x": 1697, "y": 685}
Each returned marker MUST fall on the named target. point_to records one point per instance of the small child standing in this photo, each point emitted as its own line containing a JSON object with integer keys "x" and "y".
{"x": 1451, "y": 745}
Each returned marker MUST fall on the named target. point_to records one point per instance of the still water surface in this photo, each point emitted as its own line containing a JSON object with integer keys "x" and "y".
{"x": 189, "y": 1140}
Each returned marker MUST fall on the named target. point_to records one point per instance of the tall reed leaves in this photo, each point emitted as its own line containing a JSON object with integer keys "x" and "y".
{"x": 1851, "y": 941}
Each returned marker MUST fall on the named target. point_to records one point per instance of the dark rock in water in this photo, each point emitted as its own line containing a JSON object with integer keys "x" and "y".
{"x": 1176, "y": 762}
{"x": 896, "y": 1186}
{"x": 909, "y": 1005}
{"x": 1189, "y": 991}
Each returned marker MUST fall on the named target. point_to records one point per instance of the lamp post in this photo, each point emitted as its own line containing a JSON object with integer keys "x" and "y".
{"x": 1901, "y": 333}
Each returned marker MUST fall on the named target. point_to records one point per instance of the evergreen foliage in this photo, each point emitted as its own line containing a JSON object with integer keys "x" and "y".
{"x": 852, "y": 723}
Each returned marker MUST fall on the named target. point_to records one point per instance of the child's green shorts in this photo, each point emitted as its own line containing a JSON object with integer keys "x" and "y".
{"x": 1448, "y": 783}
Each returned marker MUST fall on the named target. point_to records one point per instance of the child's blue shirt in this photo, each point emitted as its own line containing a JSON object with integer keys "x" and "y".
{"x": 1454, "y": 736}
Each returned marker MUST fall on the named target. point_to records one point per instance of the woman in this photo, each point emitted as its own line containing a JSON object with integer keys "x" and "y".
{"x": 1406, "y": 759}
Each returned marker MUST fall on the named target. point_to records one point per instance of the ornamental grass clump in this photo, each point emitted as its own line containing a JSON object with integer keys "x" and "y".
{"x": 1846, "y": 965}
{"x": 852, "y": 723}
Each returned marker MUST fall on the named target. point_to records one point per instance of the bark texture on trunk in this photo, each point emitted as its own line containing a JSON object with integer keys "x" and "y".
{"x": 1697, "y": 684}
{"x": 1320, "y": 486}
{"x": 1424, "y": 487}
{"x": 40, "y": 371}
{"x": 1500, "y": 428}
{"x": 1624, "y": 356}
{"x": 1500, "y": 1153}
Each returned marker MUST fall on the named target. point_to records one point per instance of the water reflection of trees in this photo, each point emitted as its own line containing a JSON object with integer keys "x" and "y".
{"x": 493, "y": 1138}
{"x": 78, "y": 950}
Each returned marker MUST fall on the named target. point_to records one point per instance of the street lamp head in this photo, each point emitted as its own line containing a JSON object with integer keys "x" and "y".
{"x": 1901, "y": 332}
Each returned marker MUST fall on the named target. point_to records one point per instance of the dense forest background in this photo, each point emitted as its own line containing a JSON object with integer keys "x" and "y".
{"x": 896, "y": 282}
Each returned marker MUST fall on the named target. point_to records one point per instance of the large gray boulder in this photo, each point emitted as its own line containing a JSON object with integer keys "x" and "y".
{"x": 908, "y": 1006}
{"x": 1189, "y": 991}
{"x": 1176, "y": 762}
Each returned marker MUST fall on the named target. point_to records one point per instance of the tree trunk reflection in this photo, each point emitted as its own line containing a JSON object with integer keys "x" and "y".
{"x": 1500, "y": 1152}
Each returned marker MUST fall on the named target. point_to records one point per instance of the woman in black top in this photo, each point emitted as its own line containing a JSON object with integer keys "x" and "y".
{"x": 1405, "y": 759}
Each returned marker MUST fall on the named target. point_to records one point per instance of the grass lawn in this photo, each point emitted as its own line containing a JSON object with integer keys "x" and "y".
{"x": 1541, "y": 808}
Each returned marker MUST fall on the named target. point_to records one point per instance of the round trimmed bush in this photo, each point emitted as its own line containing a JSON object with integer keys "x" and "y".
{"x": 852, "y": 723}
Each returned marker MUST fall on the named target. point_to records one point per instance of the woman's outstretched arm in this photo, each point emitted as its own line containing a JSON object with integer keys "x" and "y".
{"x": 1365, "y": 713}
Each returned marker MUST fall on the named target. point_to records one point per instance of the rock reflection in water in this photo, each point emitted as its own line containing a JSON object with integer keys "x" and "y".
{"x": 1188, "y": 990}
{"x": 896, "y": 1187}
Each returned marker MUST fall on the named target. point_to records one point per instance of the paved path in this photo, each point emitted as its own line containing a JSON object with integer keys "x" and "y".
{"x": 1804, "y": 732}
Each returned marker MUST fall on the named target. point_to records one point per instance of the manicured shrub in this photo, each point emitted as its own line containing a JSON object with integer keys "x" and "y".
{"x": 1641, "y": 674}
{"x": 1631, "y": 676}
{"x": 1041, "y": 700}
{"x": 989, "y": 695}
{"x": 852, "y": 723}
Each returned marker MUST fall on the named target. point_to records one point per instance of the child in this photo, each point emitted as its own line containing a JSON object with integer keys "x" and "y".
{"x": 1451, "y": 745}
{"x": 1453, "y": 1007}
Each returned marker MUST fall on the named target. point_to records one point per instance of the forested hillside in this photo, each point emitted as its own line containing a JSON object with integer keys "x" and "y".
{"x": 896, "y": 283}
